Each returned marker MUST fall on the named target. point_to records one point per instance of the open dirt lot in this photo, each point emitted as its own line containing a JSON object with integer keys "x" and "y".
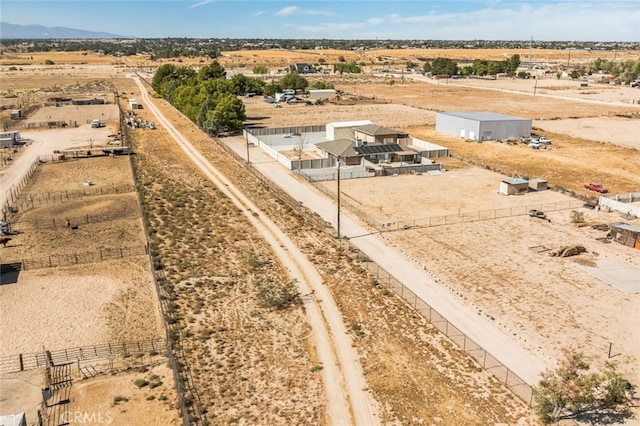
{"x": 502, "y": 276}
{"x": 110, "y": 301}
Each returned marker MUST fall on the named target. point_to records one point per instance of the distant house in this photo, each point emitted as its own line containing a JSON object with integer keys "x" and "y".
{"x": 538, "y": 184}
{"x": 301, "y": 68}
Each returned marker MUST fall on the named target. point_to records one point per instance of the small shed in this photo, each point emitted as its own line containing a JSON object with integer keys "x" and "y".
{"x": 515, "y": 186}
{"x": 626, "y": 234}
{"x": 538, "y": 184}
{"x": 16, "y": 114}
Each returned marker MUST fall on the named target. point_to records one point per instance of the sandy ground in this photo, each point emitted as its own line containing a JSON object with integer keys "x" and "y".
{"x": 117, "y": 400}
{"x": 519, "y": 287}
{"x": 619, "y": 130}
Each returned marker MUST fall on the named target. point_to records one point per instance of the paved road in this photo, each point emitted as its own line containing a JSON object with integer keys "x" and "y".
{"x": 348, "y": 402}
{"x": 478, "y": 328}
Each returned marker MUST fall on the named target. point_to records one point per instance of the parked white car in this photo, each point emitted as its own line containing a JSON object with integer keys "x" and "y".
{"x": 544, "y": 139}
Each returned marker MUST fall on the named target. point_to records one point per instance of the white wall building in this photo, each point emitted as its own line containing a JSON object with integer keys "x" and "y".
{"x": 480, "y": 126}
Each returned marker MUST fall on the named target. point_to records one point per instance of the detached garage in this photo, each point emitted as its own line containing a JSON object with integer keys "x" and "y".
{"x": 481, "y": 126}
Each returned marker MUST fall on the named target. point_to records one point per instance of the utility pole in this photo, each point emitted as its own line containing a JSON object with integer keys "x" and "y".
{"x": 338, "y": 164}
{"x": 246, "y": 136}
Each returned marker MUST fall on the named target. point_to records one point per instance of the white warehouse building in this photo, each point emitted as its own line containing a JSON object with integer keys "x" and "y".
{"x": 481, "y": 126}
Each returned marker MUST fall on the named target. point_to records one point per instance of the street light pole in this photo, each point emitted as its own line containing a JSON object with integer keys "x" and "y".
{"x": 338, "y": 163}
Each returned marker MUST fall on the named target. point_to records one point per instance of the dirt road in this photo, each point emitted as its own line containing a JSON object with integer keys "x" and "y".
{"x": 348, "y": 402}
{"x": 508, "y": 351}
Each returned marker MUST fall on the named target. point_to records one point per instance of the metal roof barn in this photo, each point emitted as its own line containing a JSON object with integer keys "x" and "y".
{"x": 482, "y": 125}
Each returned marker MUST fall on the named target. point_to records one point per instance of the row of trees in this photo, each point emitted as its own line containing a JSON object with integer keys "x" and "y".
{"x": 210, "y": 99}
{"x": 207, "y": 97}
{"x": 623, "y": 71}
{"x": 479, "y": 67}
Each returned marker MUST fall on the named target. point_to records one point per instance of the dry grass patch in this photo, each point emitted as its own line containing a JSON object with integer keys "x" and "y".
{"x": 411, "y": 369}
{"x": 247, "y": 362}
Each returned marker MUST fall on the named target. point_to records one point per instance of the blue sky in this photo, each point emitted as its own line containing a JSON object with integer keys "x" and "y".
{"x": 583, "y": 20}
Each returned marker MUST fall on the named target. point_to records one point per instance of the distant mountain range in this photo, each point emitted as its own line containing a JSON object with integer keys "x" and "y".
{"x": 13, "y": 31}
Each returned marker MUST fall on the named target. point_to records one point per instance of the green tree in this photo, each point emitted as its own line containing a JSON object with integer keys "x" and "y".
{"x": 294, "y": 81}
{"x": 228, "y": 114}
{"x": 350, "y": 67}
{"x": 321, "y": 85}
{"x": 212, "y": 71}
{"x": 241, "y": 84}
{"x": 570, "y": 391}
{"x": 260, "y": 69}
{"x": 512, "y": 65}
{"x": 444, "y": 66}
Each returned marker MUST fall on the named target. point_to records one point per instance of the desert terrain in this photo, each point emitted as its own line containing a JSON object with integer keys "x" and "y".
{"x": 189, "y": 240}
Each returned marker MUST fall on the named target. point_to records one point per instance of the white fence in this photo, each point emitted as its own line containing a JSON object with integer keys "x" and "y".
{"x": 619, "y": 203}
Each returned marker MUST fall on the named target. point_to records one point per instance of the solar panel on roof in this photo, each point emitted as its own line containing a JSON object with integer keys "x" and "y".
{"x": 378, "y": 149}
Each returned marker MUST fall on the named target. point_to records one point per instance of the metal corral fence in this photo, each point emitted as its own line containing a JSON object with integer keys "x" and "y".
{"x": 452, "y": 219}
{"x": 30, "y": 361}
{"x": 30, "y": 201}
{"x": 14, "y": 192}
{"x": 464, "y": 217}
{"x": 486, "y": 360}
{"x": 75, "y": 220}
{"x": 69, "y": 259}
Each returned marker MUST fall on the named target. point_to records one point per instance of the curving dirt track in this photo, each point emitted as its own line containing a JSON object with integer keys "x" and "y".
{"x": 348, "y": 402}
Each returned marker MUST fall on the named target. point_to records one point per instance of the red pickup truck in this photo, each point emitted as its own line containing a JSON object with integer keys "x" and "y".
{"x": 596, "y": 187}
